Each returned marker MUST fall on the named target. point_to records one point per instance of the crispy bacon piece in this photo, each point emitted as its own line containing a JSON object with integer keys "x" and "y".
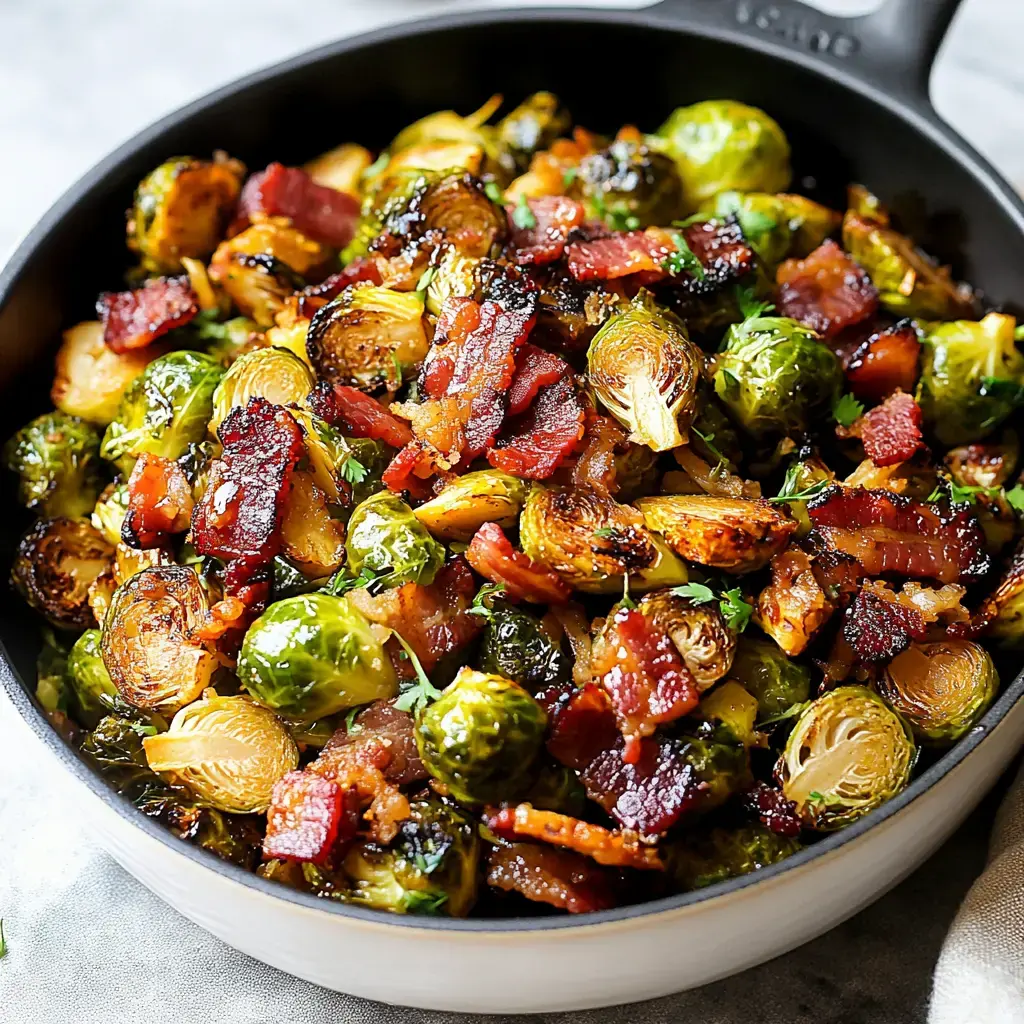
{"x": 772, "y": 809}
{"x": 491, "y": 553}
{"x": 239, "y": 516}
{"x": 414, "y": 469}
{"x": 555, "y": 217}
{"x": 228, "y": 619}
{"x": 611, "y": 848}
{"x": 382, "y": 721}
{"x": 889, "y": 532}
{"x": 306, "y": 819}
{"x": 643, "y": 674}
{"x": 136, "y": 318}
{"x": 891, "y": 432}
{"x": 560, "y": 878}
{"x": 314, "y": 296}
{"x": 159, "y": 502}
{"x": 827, "y": 291}
{"x": 884, "y": 362}
{"x": 794, "y": 606}
{"x": 323, "y": 214}
{"x": 535, "y": 369}
{"x": 357, "y": 414}
{"x": 878, "y": 628}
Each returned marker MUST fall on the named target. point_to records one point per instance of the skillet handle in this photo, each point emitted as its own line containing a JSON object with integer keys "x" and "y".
{"x": 893, "y": 47}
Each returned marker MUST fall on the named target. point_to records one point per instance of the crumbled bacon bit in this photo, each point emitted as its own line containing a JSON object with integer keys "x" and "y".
{"x": 884, "y": 362}
{"x": 491, "y": 553}
{"x": 383, "y": 722}
{"x": 414, "y": 469}
{"x": 877, "y": 628}
{"x": 772, "y": 809}
{"x": 357, "y": 414}
{"x": 535, "y": 369}
{"x": 136, "y": 318}
{"x": 555, "y": 217}
{"x": 891, "y": 432}
{"x": 159, "y": 502}
{"x": 543, "y": 874}
{"x": 305, "y": 819}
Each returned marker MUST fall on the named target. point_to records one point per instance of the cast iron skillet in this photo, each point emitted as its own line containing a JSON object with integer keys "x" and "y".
{"x": 851, "y": 94}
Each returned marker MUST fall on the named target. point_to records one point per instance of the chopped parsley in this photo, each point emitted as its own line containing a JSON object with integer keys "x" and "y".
{"x": 627, "y": 601}
{"x": 1015, "y": 496}
{"x": 790, "y": 491}
{"x": 493, "y": 192}
{"x": 483, "y": 603}
{"x": 3, "y": 941}
{"x": 350, "y": 720}
{"x": 620, "y": 219}
{"x": 755, "y": 222}
{"x": 422, "y": 692}
{"x": 735, "y": 610}
{"x": 963, "y": 495}
{"x": 847, "y": 410}
{"x": 751, "y": 307}
{"x": 683, "y": 259}
{"x": 605, "y": 532}
{"x": 341, "y": 582}
{"x": 417, "y": 902}
{"x": 353, "y": 471}
{"x": 698, "y": 593}
{"x": 426, "y": 277}
{"x": 522, "y": 215}
{"x": 715, "y": 451}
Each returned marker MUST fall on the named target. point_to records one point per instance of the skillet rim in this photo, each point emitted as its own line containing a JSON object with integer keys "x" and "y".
{"x": 916, "y": 112}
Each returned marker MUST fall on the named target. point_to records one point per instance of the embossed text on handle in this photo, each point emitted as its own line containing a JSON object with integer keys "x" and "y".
{"x": 798, "y": 28}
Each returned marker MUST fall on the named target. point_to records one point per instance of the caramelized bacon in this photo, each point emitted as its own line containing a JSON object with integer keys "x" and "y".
{"x": 357, "y": 414}
{"x": 382, "y": 722}
{"x": 891, "y": 432}
{"x": 306, "y": 819}
{"x": 555, "y": 218}
{"x": 877, "y": 627}
{"x": 159, "y": 502}
{"x": 772, "y": 809}
{"x": 414, "y": 469}
{"x": 884, "y": 362}
{"x": 136, "y": 318}
{"x": 314, "y": 296}
{"x": 491, "y": 553}
{"x": 543, "y": 874}
{"x": 535, "y": 369}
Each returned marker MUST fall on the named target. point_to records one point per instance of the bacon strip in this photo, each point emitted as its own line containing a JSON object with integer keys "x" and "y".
{"x": 159, "y": 502}
{"x": 560, "y": 878}
{"x": 414, "y": 469}
{"x": 535, "y": 369}
{"x": 136, "y": 318}
{"x": 891, "y": 432}
{"x": 306, "y": 819}
{"x": 491, "y": 553}
{"x": 357, "y": 414}
{"x": 382, "y": 722}
{"x": 555, "y": 218}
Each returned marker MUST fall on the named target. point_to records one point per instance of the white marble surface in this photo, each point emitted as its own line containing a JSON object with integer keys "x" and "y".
{"x": 90, "y": 946}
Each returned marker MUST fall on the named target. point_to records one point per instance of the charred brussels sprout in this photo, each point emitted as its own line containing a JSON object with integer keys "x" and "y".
{"x": 972, "y": 375}
{"x": 384, "y": 535}
{"x": 645, "y": 371}
{"x": 458, "y": 206}
{"x": 480, "y": 737}
{"x": 95, "y": 692}
{"x": 313, "y": 655}
{"x": 271, "y": 373}
{"x": 706, "y": 857}
{"x": 368, "y": 336}
{"x": 1004, "y": 607}
{"x": 775, "y": 376}
{"x": 312, "y": 539}
{"x": 779, "y": 683}
{"x": 165, "y": 410}
{"x": 515, "y": 646}
{"x": 57, "y": 459}
{"x": 941, "y": 689}
{"x": 848, "y": 753}
{"x": 55, "y": 563}
{"x": 720, "y": 145}
{"x": 486, "y": 496}
{"x": 226, "y": 751}
{"x": 431, "y": 867}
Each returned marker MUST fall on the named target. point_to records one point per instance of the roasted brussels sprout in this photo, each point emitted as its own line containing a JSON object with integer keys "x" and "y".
{"x": 91, "y": 378}
{"x": 226, "y": 751}
{"x": 368, "y": 336}
{"x": 706, "y": 857}
{"x": 775, "y": 376}
{"x": 984, "y": 465}
{"x": 384, "y": 535}
{"x": 720, "y": 145}
{"x": 55, "y": 564}
{"x": 645, "y": 371}
{"x": 733, "y": 707}
{"x": 181, "y": 209}
{"x": 848, "y": 753}
{"x": 313, "y": 655}
{"x": 941, "y": 689}
{"x": 312, "y": 539}
{"x": 95, "y": 693}
{"x": 149, "y": 645}
{"x": 804, "y": 477}
{"x": 271, "y": 373}
{"x": 780, "y": 684}
{"x": 1004, "y": 607}
{"x": 533, "y": 125}
{"x": 57, "y": 459}
{"x": 453, "y": 276}
{"x": 698, "y": 631}
{"x": 721, "y": 764}
{"x": 165, "y": 410}
{"x": 459, "y": 208}
{"x": 971, "y": 376}
{"x": 485, "y": 496}
{"x": 431, "y": 867}
{"x": 341, "y": 168}
{"x": 515, "y": 646}
{"x": 557, "y": 788}
{"x": 480, "y": 737}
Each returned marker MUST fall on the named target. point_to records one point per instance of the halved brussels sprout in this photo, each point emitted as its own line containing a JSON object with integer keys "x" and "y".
{"x": 165, "y": 410}
{"x": 645, "y": 371}
{"x": 720, "y": 145}
{"x": 775, "y": 376}
{"x": 368, "y": 336}
{"x": 384, "y": 535}
{"x": 459, "y": 207}
{"x": 480, "y": 737}
{"x": 271, "y": 373}
{"x": 226, "y": 751}
{"x": 516, "y": 646}
{"x": 57, "y": 459}
{"x": 848, "y": 753}
{"x": 91, "y": 378}
{"x": 1004, "y": 607}
{"x": 313, "y": 655}
{"x": 95, "y": 692}
{"x": 55, "y": 564}
{"x": 734, "y": 707}
{"x": 971, "y": 376}
{"x": 698, "y": 631}
{"x": 777, "y": 682}
{"x": 704, "y": 858}
{"x": 941, "y": 689}
{"x": 736, "y": 535}
{"x": 311, "y": 538}
{"x": 485, "y": 496}
{"x": 453, "y": 277}
{"x": 984, "y": 465}
{"x": 341, "y": 168}
{"x": 148, "y": 644}
{"x": 533, "y": 125}
{"x": 181, "y": 209}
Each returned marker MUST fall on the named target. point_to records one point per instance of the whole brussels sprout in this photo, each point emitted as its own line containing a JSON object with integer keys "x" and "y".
{"x": 533, "y": 125}
{"x": 941, "y": 689}
{"x": 480, "y": 737}
{"x": 313, "y": 655}
{"x": 95, "y": 692}
{"x": 514, "y": 645}
{"x": 485, "y": 496}
{"x": 56, "y": 457}
{"x": 165, "y": 410}
{"x": 848, "y": 753}
{"x": 384, "y": 535}
{"x": 719, "y": 145}
{"x": 709, "y": 856}
{"x": 645, "y": 371}
{"x": 721, "y": 763}
{"x": 557, "y": 788}
{"x": 971, "y": 376}
{"x": 779, "y": 683}
{"x": 775, "y": 376}
{"x": 275, "y": 374}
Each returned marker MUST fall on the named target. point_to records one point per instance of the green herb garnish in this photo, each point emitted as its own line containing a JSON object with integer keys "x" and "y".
{"x": 522, "y": 215}
{"x": 847, "y": 410}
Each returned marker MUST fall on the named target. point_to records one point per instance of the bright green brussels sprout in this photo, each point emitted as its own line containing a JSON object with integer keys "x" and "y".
{"x": 848, "y": 753}
{"x": 384, "y": 535}
{"x": 533, "y": 125}
{"x": 971, "y": 377}
{"x": 645, "y": 371}
{"x": 56, "y": 457}
{"x": 165, "y": 410}
{"x": 775, "y": 376}
{"x": 485, "y": 496}
{"x": 271, "y": 373}
{"x": 480, "y": 737}
{"x": 94, "y": 690}
{"x": 941, "y": 688}
{"x": 709, "y": 856}
{"x": 779, "y": 683}
{"x": 431, "y": 867}
{"x": 719, "y": 145}
{"x": 313, "y": 655}
{"x": 514, "y": 645}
